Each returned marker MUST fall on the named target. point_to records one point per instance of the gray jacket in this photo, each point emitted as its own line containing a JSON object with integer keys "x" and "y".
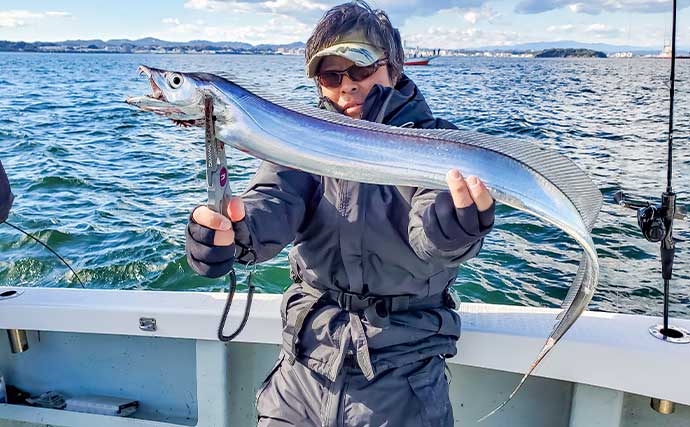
{"x": 362, "y": 239}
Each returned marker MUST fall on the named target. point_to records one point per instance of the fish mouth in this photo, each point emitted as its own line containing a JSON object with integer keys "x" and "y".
{"x": 156, "y": 101}
{"x": 156, "y": 92}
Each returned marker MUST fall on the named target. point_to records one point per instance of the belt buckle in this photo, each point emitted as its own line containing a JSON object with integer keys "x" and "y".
{"x": 345, "y": 300}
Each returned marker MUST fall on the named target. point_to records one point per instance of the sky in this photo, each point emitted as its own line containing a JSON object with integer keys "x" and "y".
{"x": 425, "y": 23}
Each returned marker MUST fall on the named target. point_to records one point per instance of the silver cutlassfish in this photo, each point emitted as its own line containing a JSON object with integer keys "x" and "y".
{"x": 518, "y": 173}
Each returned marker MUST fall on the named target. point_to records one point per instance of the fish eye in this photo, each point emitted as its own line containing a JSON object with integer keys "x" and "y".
{"x": 175, "y": 80}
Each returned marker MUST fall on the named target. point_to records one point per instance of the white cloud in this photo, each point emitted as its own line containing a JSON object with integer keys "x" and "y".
{"x": 280, "y": 29}
{"x": 295, "y": 6}
{"x": 59, "y": 14}
{"x": 309, "y": 11}
{"x": 458, "y": 38}
{"x": 603, "y": 30}
{"x": 595, "y": 7}
{"x": 171, "y": 21}
{"x": 303, "y": 10}
{"x": 17, "y": 18}
{"x": 471, "y": 17}
{"x": 584, "y": 8}
{"x": 560, "y": 28}
{"x": 199, "y": 4}
{"x": 20, "y": 18}
{"x": 597, "y": 28}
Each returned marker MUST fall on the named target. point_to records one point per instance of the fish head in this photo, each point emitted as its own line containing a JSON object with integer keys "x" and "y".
{"x": 178, "y": 96}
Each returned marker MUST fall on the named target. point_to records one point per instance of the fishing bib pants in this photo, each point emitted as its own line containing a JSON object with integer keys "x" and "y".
{"x": 413, "y": 395}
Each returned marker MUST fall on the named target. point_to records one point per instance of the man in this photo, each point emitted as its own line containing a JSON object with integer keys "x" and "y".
{"x": 369, "y": 320}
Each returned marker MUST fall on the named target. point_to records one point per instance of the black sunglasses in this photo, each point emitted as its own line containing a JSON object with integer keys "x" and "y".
{"x": 333, "y": 79}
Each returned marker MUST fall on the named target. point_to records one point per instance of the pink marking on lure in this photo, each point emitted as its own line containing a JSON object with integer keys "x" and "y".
{"x": 223, "y": 177}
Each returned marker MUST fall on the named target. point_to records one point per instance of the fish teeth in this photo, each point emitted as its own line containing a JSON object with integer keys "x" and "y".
{"x": 144, "y": 70}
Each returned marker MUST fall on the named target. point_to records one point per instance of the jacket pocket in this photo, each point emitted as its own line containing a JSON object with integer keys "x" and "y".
{"x": 267, "y": 380}
{"x": 430, "y": 387}
{"x": 291, "y": 295}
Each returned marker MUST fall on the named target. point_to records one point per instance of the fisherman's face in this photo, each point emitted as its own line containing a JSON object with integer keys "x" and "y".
{"x": 350, "y": 95}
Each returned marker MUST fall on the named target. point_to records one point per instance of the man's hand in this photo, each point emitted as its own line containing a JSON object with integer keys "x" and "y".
{"x": 467, "y": 192}
{"x": 460, "y": 216}
{"x": 210, "y": 243}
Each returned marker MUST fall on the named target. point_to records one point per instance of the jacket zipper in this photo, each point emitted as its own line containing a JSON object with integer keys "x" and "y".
{"x": 342, "y": 199}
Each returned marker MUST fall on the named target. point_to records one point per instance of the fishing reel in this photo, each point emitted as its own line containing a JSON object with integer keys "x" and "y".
{"x": 656, "y": 224}
{"x": 653, "y": 220}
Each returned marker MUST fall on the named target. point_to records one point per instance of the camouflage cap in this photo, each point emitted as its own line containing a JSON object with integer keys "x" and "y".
{"x": 352, "y": 46}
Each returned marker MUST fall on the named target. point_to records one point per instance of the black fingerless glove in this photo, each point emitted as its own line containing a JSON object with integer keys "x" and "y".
{"x": 203, "y": 256}
{"x": 451, "y": 228}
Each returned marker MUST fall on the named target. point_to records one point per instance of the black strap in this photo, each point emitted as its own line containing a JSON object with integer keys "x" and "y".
{"x": 353, "y": 302}
{"x": 299, "y": 322}
{"x": 231, "y": 294}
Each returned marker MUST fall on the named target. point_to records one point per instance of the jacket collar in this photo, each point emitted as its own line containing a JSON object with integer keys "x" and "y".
{"x": 402, "y": 105}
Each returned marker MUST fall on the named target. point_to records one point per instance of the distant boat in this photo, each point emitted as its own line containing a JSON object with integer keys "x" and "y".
{"x": 666, "y": 54}
{"x": 420, "y": 60}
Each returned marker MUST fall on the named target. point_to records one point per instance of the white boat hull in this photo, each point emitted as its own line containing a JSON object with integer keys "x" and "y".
{"x": 602, "y": 373}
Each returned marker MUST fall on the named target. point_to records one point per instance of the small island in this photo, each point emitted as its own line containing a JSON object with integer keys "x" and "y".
{"x": 569, "y": 53}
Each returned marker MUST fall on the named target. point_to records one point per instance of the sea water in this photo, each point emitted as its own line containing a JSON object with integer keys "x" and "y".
{"x": 110, "y": 187}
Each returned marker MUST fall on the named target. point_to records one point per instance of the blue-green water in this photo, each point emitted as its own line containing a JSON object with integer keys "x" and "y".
{"x": 110, "y": 187}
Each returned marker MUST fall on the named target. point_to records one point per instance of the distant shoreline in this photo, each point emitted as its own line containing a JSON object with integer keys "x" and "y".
{"x": 62, "y": 52}
{"x": 196, "y": 47}
{"x": 151, "y": 45}
{"x": 498, "y": 56}
{"x": 160, "y": 47}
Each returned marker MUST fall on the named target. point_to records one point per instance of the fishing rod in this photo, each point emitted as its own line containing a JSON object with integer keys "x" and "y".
{"x": 656, "y": 221}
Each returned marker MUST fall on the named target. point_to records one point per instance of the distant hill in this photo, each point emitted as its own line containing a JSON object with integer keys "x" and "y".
{"x": 570, "y": 53}
{"x": 569, "y": 44}
{"x": 145, "y": 43}
{"x": 150, "y": 42}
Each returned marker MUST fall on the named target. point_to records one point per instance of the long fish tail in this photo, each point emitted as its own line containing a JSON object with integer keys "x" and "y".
{"x": 544, "y": 351}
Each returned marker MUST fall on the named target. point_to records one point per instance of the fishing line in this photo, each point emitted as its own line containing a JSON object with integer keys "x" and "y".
{"x": 620, "y": 170}
{"x": 51, "y": 250}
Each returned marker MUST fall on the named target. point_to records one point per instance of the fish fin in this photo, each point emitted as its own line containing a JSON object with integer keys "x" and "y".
{"x": 544, "y": 351}
{"x": 574, "y": 288}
